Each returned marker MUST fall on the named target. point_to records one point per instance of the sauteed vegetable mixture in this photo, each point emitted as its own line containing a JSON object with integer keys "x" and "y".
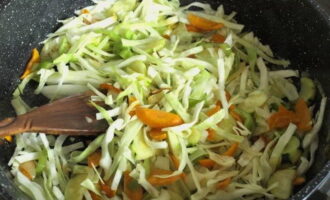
{"x": 197, "y": 108}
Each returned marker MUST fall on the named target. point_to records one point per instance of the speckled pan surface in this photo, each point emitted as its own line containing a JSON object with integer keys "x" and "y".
{"x": 298, "y": 30}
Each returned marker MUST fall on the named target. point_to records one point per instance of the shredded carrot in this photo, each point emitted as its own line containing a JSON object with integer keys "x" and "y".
{"x": 35, "y": 58}
{"x": 130, "y": 101}
{"x": 203, "y": 24}
{"x": 211, "y": 134}
{"x": 85, "y": 11}
{"x": 107, "y": 190}
{"x": 27, "y": 169}
{"x": 9, "y": 138}
{"x": 228, "y": 96}
{"x": 159, "y": 90}
{"x": 132, "y": 113}
{"x": 234, "y": 114}
{"x": 157, "y": 134}
{"x": 110, "y": 87}
{"x": 25, "y": 173}
{"x": 166, "y": 36}
{"x": 156, "y": 181}
{"x": 301, "y": 117}
{"x": 95, "y": 196}
{"x": 214, "y": 110}
{"x": 282, "y": 118}
{"x": 94, "y": 159}
{"x": 175, "y": 161}
{"x": 131, "y": 187}
{"x": 265, "y": 139}
{"x": 304, "y": 115}
{"x": 191, "y": 28}
{"x": 157, "y": 118}
{"x": 223, "y": 184}
{"x": 218, "y": 38}
{"x": 208, "y": 163}
{"x": 299, "y": 180}
{"x": 232, "y": 149}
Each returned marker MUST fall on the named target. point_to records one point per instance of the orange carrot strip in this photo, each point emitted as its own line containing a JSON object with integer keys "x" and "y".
{"x": 159, "y": 90}
{"x": 234, "y": 114}
{"x": 282, "y": 109}
{"x": 35, "y": 58}
{"x": 9, "y": 138}
{"x": 211, "y": 134}
{"x": 95, "y": 196}
{"x": 132, "y": 113}
{"x": 265, "y": 139}
{"x": 191, "y": 28}
{"x": 94, "y": 159}
{"x": 218, "y": 38}
{"x": 28, "y": 169}
{"x": 208, "y": 163}
{"x": 85, "y": 11}
{"x": 203, "y": 24}
{"x": 25, "y": 173}
{"x": 107, "y": 190}
{"x": 130, "y": 101}
{"x": 223, "y": 184}
{"x": 175, "y": 161}
{"x": 157, "y": 134}
{"x": 192, "y": 56}
{"x": 304, "y": 115}
{"x": 228, "y": 96}
{"x": 110, "y": 87}
{"x": 166, "y": 36}
{"x": 131, "y": 188}
{"x": 232, "y": 149}
{"x": 158, "y": 118}
{"x": 299, "y": 180}
{"x": 156, "y": 181}
{"x": 282, "y": 118}
{"x": 213, "y": 110}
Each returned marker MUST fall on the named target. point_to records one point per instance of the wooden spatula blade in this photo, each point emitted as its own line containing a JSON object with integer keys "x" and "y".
{"x": 72, "y": 115}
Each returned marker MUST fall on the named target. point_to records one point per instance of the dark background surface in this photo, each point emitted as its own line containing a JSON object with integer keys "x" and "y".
{"x": 298, "y": 30}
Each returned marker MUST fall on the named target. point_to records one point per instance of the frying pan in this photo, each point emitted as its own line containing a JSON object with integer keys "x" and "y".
{"x": 298, "y": 30}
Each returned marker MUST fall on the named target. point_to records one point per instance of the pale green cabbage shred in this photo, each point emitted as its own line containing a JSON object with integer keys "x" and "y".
{"x": 141, "y": 47}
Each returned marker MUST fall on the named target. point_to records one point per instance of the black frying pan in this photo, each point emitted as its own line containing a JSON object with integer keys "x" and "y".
{"x": 298, "y": 30}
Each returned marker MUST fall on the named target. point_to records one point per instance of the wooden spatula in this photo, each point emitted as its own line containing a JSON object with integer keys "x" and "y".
{"x": 71, "y": 115}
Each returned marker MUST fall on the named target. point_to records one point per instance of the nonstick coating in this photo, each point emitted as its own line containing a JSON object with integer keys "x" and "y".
{"x": 298, "y": 30}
